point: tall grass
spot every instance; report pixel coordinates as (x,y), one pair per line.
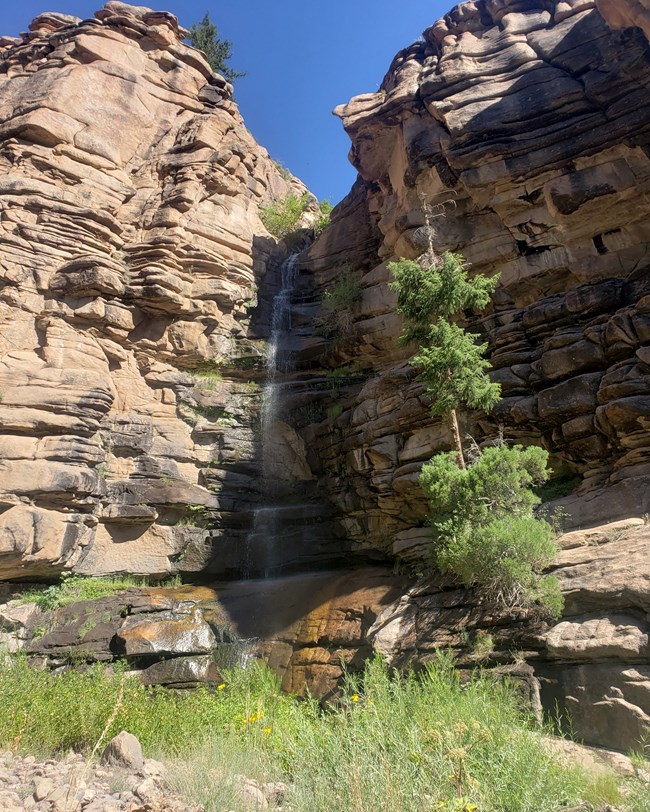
(392,744)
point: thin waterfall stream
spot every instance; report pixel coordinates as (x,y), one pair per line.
(263,536)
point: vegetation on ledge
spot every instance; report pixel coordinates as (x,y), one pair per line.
(75,588)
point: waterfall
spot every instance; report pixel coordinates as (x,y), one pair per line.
(278,360)
(262,539)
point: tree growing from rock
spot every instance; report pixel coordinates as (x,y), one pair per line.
(205,37)
(450,360)
(484,528)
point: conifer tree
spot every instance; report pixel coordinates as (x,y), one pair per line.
(205,37)
(451,362)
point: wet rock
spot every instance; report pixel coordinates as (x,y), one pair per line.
(166,634)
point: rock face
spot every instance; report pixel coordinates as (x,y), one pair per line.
(593,666)
(132,257)
(516,134)
(307,626)
(137,280)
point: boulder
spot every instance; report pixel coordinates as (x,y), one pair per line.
(124,750)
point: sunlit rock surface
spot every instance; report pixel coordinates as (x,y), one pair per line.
(132,257)
(309,627)
(136,284)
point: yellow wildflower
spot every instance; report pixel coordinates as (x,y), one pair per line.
(267,730)
(221,686)
(355,697)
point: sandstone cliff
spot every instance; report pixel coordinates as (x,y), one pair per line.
(516,133)
(133,255)
(522,128)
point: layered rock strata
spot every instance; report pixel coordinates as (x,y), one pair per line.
(589,671)
(516,134)
(309,627)
(130,340)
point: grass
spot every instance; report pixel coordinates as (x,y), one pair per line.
(392,744)
(77,588)
(208,378)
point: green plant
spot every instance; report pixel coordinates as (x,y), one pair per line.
(482,645)
(450,361)
(339,301)
(281,217)
(284,173)
(391,744)
(325,209)
(205,36)
(75,588)
(334,411)
(484,529)
(194,516)
(207,376)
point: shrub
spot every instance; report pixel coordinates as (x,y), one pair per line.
(484,529)
(283,216)
(325,209)
(339,301)
(284,173)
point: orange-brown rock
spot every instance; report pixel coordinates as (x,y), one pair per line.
(309,627)
(132,255)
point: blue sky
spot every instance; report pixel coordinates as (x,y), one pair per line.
(302,57)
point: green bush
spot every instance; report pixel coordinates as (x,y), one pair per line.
(283,216)
(392,744)
(339,300)
(484,528)
(284,173)
(325,210)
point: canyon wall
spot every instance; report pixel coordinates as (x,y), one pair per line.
(522,129)
(131,337)
(516,133)
(135,296)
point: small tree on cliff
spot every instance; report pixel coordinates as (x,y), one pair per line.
(205,37)
(451,362)
(484,528)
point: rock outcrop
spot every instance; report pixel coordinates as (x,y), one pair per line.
(309,627)
(134,304)
(516,134)
(132,258)
(592,667)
